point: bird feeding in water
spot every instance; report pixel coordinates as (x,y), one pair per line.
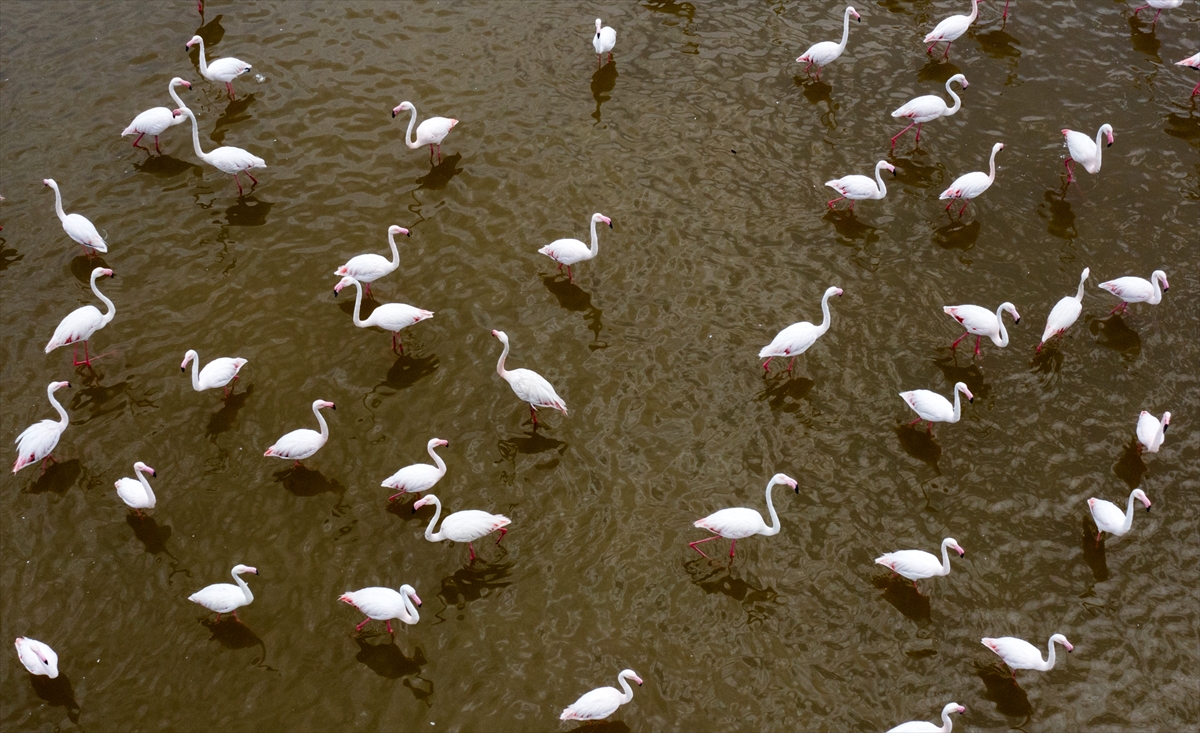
(384,604)
(221,598)
(972,185)
(37,442)
(303,443)
(1081,149)
(223,70)
(1109,518)
(156,120)
(1020,654)
(980,322)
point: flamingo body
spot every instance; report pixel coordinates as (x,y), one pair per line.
(571,251)
(37,657)
(78,227)
(952,28)
(156,120)
(1136,290)
(920,726)
(826,52)
(394,317)
(604,40)
(1084,150)
(303,443)
(37,442)
(222,70)
(859,188)
(136,493)
(431,132)
(929,107)
(385,604)
(932,407)
(1194,63)
(603,701)
(918,564)
(224,597)
(419,476)
(1065,312)
(1109,517)
(1151,431)
(982,322)
(217,373)
(798,337)
(464,526)
(1020,654)
(528,385)
(370,267)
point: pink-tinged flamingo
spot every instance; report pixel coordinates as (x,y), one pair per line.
(136,493)
(1159,5)
(929,107)
(602,701)
(370,267)
(952,28)
(1065,312)
(385,604)
(303,443)
(37,442)
(1136,290)
(1020,654)
(1111,519)
(37,657)
(918,564)
(603,42)
(1082,150)
(77,226)
(826,52)
(81,323)
(932,407)
(859,188)
(156,120)
(739,522)
(419,476)
(465,526)
(972,185)
(1152,431)
(571,251)
(1194,63)
(220,372)
(431,132)
(528,385)
(226,158)
(223,598)
(798,337)
(223,70)
(981,322)
(394,317)
(920,726)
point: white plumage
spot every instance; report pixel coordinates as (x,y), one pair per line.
(932,407)
(431,132)
(972,185)
(370,267)
(528,385)
(920,726)
(37,657)
(81,323)
(918,564)
(224,597)
(303,443)
(136,493)
(223,70)
(980,322)
(603,701)
(156,120)
(603,41)
(1109,518)
(858,188)
(465,526)
(826,52)
(951,29)
(37,442)
(217,373)
(1065,312)
(78,227)
(739,522)
(570,251)
(419,476)
(1194,63)
(1159,5)
(384,604)
(1020,654)
(226,158)
(1081,149)
(798,337)
(929,107)
(1137,290)
(1151,431)
(394,317)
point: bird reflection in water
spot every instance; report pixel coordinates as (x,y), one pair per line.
(1093,551)
(408,370)
(58,478)
(386,660)
(1144,41)
(529,444)
(303,481)
(714,576)
(439,175)
(82,266)
(602,726)
(957,235)
(234,112)
(165,166)
(152,536)
(249,211)
(849,228)
(918,443)
(937,70)
(1130,467)
(1049,360)
(818,92)
(233,635)
(474,581)
(574,298)
(56,693)
(222,420)
(971,375)
(1113,333)
(212,32)
(783,393)
(904,597)
(1002,689)
(1058,210)
(603,82)
(998,44)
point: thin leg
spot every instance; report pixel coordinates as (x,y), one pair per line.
(503,532)
(229,86)
(964,207)
(1005,16)
(1156,17)
(570,275)
(238,181)
(700,542)
(830,204)
(1196,90)
(930,49)
(430,153)
(1139,9)
(368,287)
(929,428)
(914,422)
(767,364)
(790,363)
(397,495)
(732,546)
(919,132)
(156,145)
(901,133)
(388,623)
(977,345)
(533,414)
(298,464)
(949,205)
(251,177)
(365,621)
(471,547)
(439,153)
(946,55)
(218,618)
(850,207)
(1070,173)
(139,139)
(960,338)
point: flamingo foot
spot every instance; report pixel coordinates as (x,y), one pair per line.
(388,622)
(767,364)
(960,338)
(732,547)
(365,621)
(977,345)
(503,532)
(471,547)
(397,495)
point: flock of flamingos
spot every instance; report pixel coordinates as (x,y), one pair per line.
(38,441)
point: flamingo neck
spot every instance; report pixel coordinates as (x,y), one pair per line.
(110,309)
(196,131)
(992,166)
(63,420)
(410,609)
(500,364)
(409,140)
(1048,665)
(845,32)
(625,686)
(974,12)
(150,491)
(1079,293)
(946,553)
(1157,298)
(879,174)
(242,584)
(958,399)
(358,321)
(824,315)
(58,209)
(324,425)
(195,369)
(203,61)
(395,250)
(595,240)
(437,514)
(1128,514)
(178,102)
(437,460)
(1099,145)
(947,725)
(957,102)
(1003,340)
(775,526)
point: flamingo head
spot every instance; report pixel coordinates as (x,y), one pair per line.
(834,291)
(854,12)
(1012,309)
(438,442)
(889,166)
(346,282)
(59,385)
(962,387)
(50,182)
(1161,277)
(195,39)
(181,82)
(960,79)
(322,404)
(598,217)
(1108,132)
(139,466)
(179,112)
(500,335)
(402,107)
(240,569)
(597,26)
(187,359)
(101,271)
(1166,419)
(411,593)
(1141,496)
(630,674)
(954,708)
(783,478)
(423,501)
(953,543)
(393,230)
(1063,640)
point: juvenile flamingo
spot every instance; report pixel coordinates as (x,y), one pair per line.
(932,407)
(528,385)
(571,251)
(224,597)
(370,267)
(37,657)
(224,70)
(156,120)
(929,107)
(858,188)
(136,493)
(303,443)
(465,526)
(81,323)
(419,476)
(1020,654)
(1194,63)
(602,701)
(1160,5)
(920,726)
(220,372)
(1082,150)
(394,317)
(37,442)
(1152,431)
(918,564)
(972,185)
(431,132)
(826,52)
(384,604)
(952,28)
(739,522)
(982,322)
(1110,519)
(798,337)
(226,158)
(603,42)
(77,226)
(1065,312)
(1136,290)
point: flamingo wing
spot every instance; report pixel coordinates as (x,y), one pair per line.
(471,524)
(595,705)
(79,325)
(912,564)
(296,445)
(36,442)
(151,122)
(1065,312)
(533,388)
(734,523)
(366,268)
(1108,516)
(415,478)
(227,69)
(1130,289)
(793,340)
(567,251)
(380,604)
(219,597)
(219,372)
(434,130)
(83,231)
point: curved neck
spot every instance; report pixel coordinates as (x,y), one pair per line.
(245,588)
(410,608)
(1157,290)
(395,250)
(171,90)
(1128,514)
(824,314)
(595,240)
(110,309)
(1099,145)
(628,690)
(437,514)
(409,140)
(845,32)
(879,177)
(774,528)
(947,724)
(195,371)
(958,400)
(150,491)
(999,313)
(358,305)
(203,61)
(946,551)
(58,209)
(1079,293)
(957,101)
(500,364)
(1049,663)
(321,420)
(63,421)
(437,460)
(992,165)
(974,12)
(196,131)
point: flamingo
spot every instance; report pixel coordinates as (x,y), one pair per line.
(602,701)
(920,726)
(952,28)
(798,337)
(1110,519)
(929,107)
(81,323)
(571,251)
(826,52)
(982,322)
(918,564)
(393,317)
(528,385)
(136,493)
(37,657)
(857,188)
(738,522)
(226,69)
(156,120)
(431,132)
(1192,62)
(1020,654)
(226,158)
(1151,431)
(303,443)
(223,598)
(1160,5)
(1136,290)
(1065,312)
(1081,149)
(465,526)
(36,442)
(932,407)
(972,185)
(419,476)
(220,372)
(384,604)
(370,267)
(603,42)
(77,226)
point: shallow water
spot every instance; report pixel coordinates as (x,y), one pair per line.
(707,147)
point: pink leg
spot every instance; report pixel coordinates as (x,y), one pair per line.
(87,359)
(365,621)
(397,495)
(1070,173)
(901,133)
(977,345)
(533,414)
(964,207)
(850,207)
(238,181)
(930,49)
(156,145)
(790,363)
(1156,17)
(503,532)
(598,61)
(218,618)
(388,623)
(960,338)
(251,177)
(1140,9)
(298,464)
(949,205)
(830,204)
(732,546)
(947,54)
(439,152)
(430,153)
(1196,90)
(1005,16)
(919,132)
(700,542)
(230,88)
(139,139)
(929,428)
(570,275)
(45,461)
(368,287)
(471,547)
(914,422)
(766,367)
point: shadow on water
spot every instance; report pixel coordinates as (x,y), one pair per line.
(998,44)
(58,478)
(574,298)
(1143,42)
(1093,551)
(1185,128)
(212,32)
(970,375)
(1057,211)
(386,660)
(249,211)
(222,420)
(1003,690)
(303,481)
(1112,333)
(146,530)
(530,444)
(474,581)
(912,173)
(1049,360)
(716,576)
(234,112)
(81,269)
(408,370)
(603,726)
(918,443)
(439,175)
(1130,467)
(56,693)
(957,235)
(938,70)
(904,598)
(402,507)
(670,7)
(848,227)
(165,166)
(603,82)
(8,256)
(785,394)
(233,635)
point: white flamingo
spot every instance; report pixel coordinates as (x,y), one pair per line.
(932,407)
(1136,290)
(1159,5)
(798,337)
(37,657)
(303,443)
(972,185)
(571,251)
(465,526)
(384,604)
(1110,519)
(219,372)
(826,52)
(223,70)
(1020,654)
(603,42)
(981,322)
(78,227)
(1194,63)
(739,522)
(920,726)
(929,107)
(37,442)
(419,476)
(1081,149)
(528,385)
(81,323)
(156,120)
(226,158)
(136,493)
(918,564)
(1065,312)
(951,29)
(859,188)
(602,701)
(1151,431)
(394,317)
(370,267)
(431,132)
(223,598)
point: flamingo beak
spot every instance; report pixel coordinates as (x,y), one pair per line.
(961,551)
(1110,139)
